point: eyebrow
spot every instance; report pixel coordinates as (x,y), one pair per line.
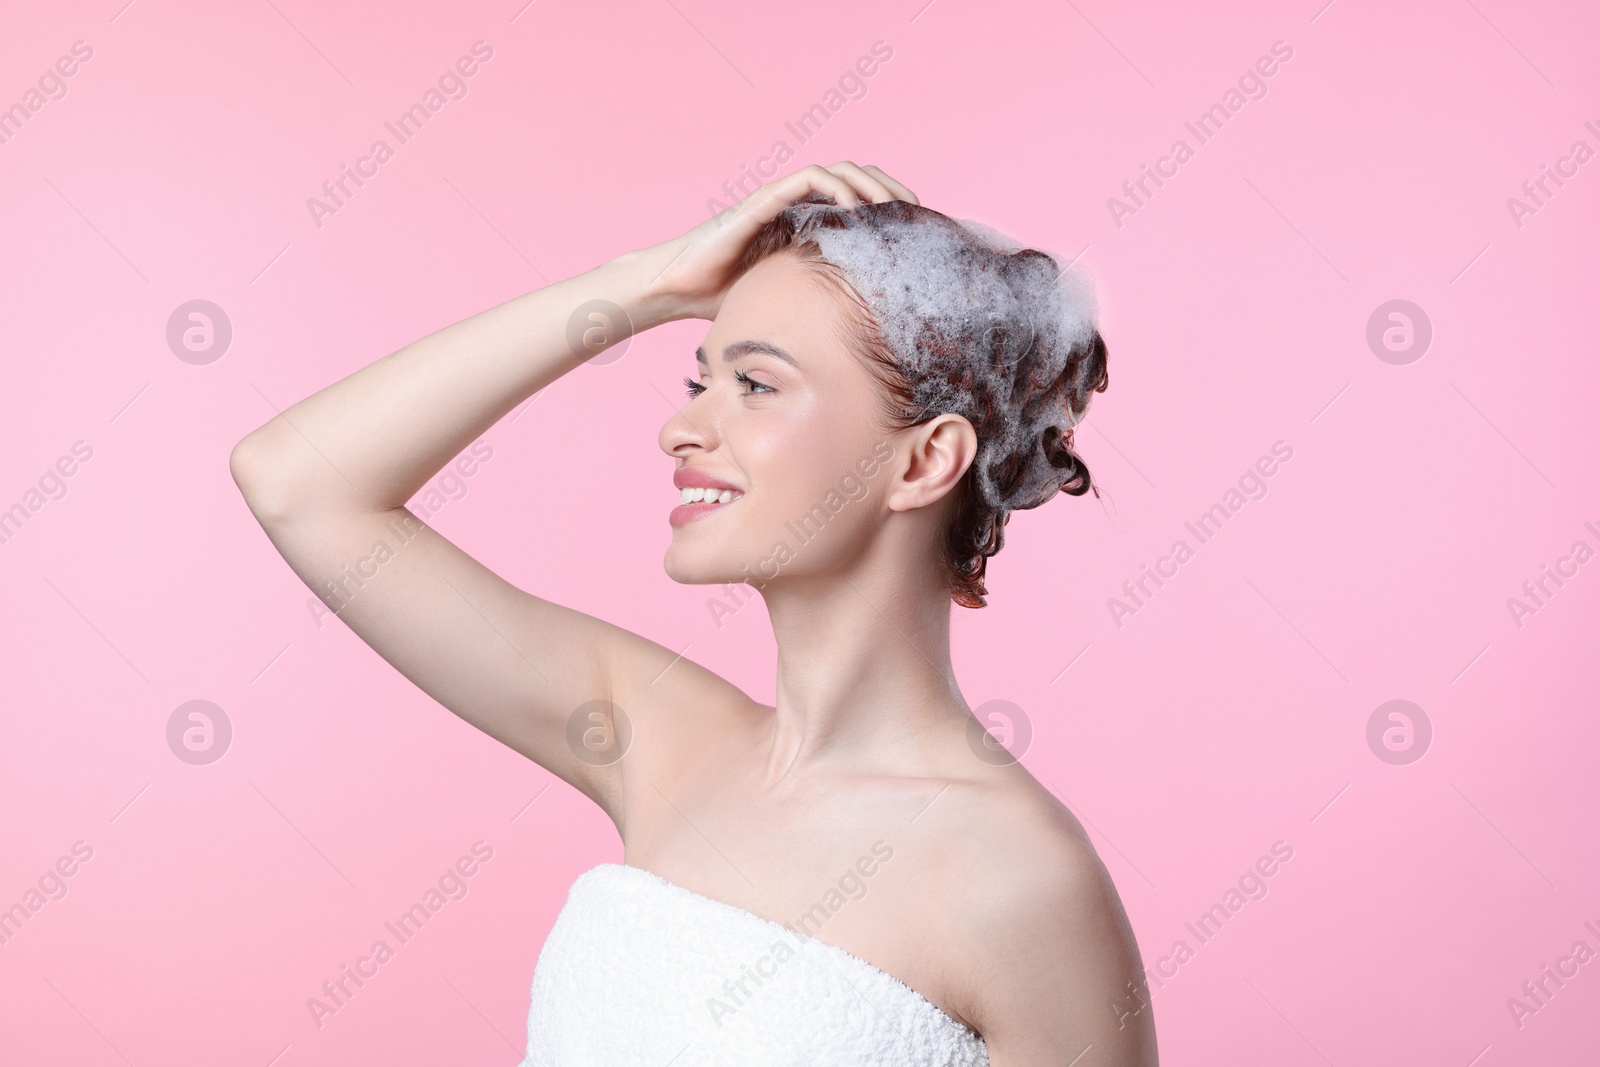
(747,348)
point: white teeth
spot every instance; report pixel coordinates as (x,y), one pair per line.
(712,496)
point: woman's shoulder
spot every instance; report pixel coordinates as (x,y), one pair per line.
(1020,842)
(1038,924)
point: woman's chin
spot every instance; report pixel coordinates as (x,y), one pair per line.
(694,568)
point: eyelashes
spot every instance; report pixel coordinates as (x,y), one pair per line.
(696,388)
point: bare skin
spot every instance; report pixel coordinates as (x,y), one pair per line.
(994,905)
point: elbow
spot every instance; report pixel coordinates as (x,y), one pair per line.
(259,477)
(247,463)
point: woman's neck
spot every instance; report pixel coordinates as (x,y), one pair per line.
(865,680)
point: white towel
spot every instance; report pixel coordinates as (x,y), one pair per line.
(640,972)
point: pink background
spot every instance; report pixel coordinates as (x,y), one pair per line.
(1229,713)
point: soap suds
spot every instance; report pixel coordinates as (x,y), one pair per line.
(980,328)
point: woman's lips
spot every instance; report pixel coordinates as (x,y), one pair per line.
(691,483)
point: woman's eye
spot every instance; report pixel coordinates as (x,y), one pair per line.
(693,388)
(743,379)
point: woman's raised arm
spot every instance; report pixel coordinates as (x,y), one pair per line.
(329,478)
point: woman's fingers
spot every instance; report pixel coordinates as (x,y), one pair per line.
(845,183)
(830,183)
(701,264)
(867,186)
(763,205)
(900,191)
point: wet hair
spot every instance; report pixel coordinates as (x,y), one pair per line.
(955,317)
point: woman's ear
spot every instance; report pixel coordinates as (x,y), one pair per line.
(939,453)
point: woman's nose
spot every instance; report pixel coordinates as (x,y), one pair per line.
(687,431)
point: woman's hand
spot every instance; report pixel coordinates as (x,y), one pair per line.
(694,271)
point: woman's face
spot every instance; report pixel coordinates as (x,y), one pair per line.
(782,439)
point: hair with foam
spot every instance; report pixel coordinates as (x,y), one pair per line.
(958,318)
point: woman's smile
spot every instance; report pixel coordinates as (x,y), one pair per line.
(700,495)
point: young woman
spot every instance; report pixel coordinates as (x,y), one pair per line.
(856,874)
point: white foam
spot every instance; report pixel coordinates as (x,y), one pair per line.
(960,314)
